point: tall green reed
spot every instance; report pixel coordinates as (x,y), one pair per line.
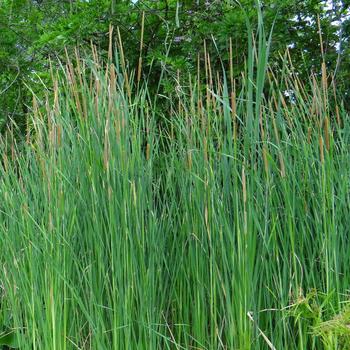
(220,226)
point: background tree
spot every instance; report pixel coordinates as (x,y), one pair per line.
(32,31)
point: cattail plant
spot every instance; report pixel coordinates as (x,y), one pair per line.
(222,224)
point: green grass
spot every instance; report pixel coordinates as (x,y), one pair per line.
(219,224)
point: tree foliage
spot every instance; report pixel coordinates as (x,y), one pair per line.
(33,31)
